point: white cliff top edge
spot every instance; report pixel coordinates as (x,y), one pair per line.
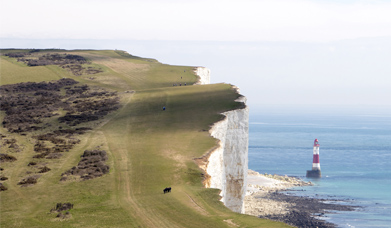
(204,75)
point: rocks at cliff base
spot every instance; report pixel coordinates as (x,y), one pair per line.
(92,165)
(300,210)
(300,219)
(265,200)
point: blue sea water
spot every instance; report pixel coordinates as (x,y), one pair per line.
(355,159)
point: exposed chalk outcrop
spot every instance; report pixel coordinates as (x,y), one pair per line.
(226,166)
(204,75)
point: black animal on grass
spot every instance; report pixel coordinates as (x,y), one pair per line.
(166,190)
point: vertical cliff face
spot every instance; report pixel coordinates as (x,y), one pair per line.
(226,165)
(203,74)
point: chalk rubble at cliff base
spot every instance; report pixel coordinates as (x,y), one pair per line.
(259,186)
(263,182)
(264,200)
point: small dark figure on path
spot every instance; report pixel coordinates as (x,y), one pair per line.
(166,190)
(164,108)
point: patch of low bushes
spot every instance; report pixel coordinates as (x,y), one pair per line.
(28,104)
(7,158)
(61,207)
(28,181)
(44,169)
(91,165)
(2,187)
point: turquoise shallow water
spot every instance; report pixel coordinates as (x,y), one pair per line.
(355,159)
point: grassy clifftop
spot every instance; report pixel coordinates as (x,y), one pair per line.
(112,102)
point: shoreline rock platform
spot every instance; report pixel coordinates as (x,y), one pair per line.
(265,198)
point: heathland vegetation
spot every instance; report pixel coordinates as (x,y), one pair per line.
(85,142)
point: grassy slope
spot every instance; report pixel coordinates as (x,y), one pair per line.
(149,149)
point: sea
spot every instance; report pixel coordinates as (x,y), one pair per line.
(355,158)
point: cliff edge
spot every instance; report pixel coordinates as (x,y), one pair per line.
(226,165)
(204,75)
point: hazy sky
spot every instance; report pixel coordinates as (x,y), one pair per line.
(234,20)
(277,51)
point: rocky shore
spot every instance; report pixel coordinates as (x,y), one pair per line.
(265,198)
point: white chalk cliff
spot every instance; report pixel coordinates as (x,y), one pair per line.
(226,166)
(204,75)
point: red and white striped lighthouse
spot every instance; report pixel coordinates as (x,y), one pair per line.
(315,161)
(315,172)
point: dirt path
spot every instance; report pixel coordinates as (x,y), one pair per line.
(16,175)
(122,166)
(128,73)
(197,206)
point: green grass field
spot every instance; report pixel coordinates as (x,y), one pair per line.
(148,149)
